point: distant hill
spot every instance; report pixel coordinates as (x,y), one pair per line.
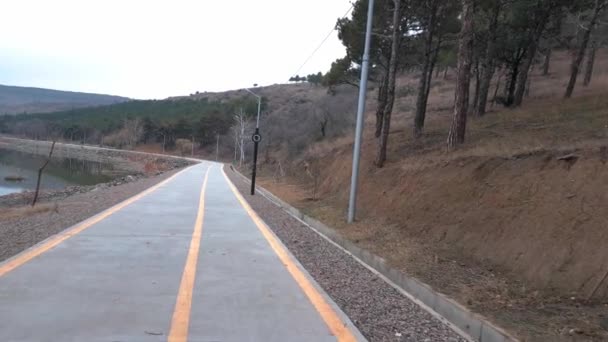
(17,100)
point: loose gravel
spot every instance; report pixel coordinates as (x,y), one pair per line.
(378,310)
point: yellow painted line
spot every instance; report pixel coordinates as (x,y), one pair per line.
(52,242)
(329,315)
(181,315)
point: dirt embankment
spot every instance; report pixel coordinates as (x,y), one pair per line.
(520,239)
(541,215)
(511,225)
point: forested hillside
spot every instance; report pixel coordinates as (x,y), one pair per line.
(130,123)
(19,100)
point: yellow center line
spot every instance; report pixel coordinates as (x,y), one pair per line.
(53,241)
(329,315)
(181,315)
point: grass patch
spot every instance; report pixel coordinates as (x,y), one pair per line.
(12,213)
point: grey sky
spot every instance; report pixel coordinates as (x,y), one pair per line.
(155,49)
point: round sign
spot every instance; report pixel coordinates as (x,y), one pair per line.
(256,138)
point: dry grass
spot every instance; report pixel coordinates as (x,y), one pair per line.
(18,212)
(545,122)
(501,224)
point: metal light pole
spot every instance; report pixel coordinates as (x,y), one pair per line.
(256,140)
(352,203)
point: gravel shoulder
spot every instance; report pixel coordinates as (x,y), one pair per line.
(378,310)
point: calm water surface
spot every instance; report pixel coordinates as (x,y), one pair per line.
(60,172)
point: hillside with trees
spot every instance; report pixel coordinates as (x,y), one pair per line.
(483,160)
(19,100)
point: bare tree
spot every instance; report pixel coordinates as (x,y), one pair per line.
(134,130)
(465,56)
(239,128)
(312,170)
(48,160)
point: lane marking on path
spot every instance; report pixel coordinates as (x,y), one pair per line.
(55,240)
(181,315)
(329,315)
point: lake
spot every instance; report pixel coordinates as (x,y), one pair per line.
(60,172)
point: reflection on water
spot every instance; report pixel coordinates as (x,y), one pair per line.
(60,172)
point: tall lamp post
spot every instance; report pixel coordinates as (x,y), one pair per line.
(352,202)
(256,140)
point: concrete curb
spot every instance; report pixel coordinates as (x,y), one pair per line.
(468,324)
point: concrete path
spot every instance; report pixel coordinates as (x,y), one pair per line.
(187,260)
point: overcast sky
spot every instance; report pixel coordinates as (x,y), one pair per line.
(155,49)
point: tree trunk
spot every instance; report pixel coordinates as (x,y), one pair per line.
(48,160)
(524,71)
(465,52)
(510,96)
(576,63)
(590,63)
(323,127)
(427,73)
(547,62)
(488,65)
(476,88)
(381,104)
(445,73)
(542,14)
(390,91)
(236,144)
(496,88)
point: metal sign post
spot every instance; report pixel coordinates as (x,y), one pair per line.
(256,141)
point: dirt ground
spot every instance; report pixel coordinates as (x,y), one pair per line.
(512,225)
(506,249)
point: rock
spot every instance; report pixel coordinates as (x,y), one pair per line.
(154,333)
(604,323)
(568,157)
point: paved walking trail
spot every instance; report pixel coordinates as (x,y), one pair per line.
(187,260)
